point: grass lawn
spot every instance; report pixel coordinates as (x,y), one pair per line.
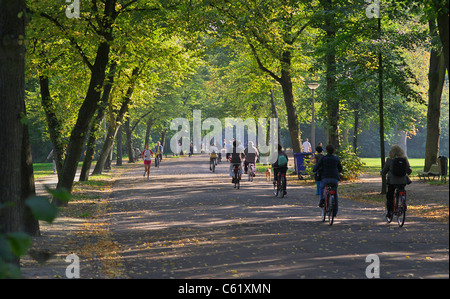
(373,165)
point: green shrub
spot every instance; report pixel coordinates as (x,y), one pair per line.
(352,165)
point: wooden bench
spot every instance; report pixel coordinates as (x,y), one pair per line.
(435,171)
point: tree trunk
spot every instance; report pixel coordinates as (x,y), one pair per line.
(286,85)
(119,146)
(84,120)
(332,102)
(53,122)
(381,113)
(355,128)
(436,76)
(129,141)
(443,25)
(30,223)
(113,127)
(12,95)
(90,148)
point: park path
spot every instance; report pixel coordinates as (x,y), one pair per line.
(187,222)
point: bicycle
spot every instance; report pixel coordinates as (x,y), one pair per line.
(212,164)
(251,171)
(399,206)
(279,186)
(158,160)
(329,206)
(236,176)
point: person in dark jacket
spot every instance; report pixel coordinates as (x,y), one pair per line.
(329,167)
(280,169)
(392,180)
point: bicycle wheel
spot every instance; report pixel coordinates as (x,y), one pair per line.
(331,207)
(401,210)
(324,208)
(283,186)
(238,179)
(388,217)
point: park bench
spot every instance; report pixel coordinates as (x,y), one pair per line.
(432,173)
(438,170)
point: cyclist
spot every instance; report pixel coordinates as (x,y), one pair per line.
(147,155)
(280,166)
(237,155)
(397,168)
(213,150)
(329,167)
(251,155)
(158,152)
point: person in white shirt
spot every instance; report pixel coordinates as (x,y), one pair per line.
(306,146)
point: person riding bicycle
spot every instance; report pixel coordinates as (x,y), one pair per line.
(329,167)
(397,169)
(158,151)
(213,155)
(237,156)
(251,155)
(281,165)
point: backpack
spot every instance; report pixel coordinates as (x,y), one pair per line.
(399,167)
(282,160)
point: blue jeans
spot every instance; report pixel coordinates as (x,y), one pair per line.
(323,183)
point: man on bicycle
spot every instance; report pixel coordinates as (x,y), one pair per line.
(237,156)
(158,151)
(397,168)
(213,155)
(329,167)
(281,165)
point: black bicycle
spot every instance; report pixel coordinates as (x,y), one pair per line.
(236,176)
(399,206)
(329,206)
(279,185)
(212,164)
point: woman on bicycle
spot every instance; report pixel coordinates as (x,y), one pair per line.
(282,169)
(329,167)
(397,168)
(237,156)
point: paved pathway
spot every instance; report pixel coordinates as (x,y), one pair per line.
(187,222)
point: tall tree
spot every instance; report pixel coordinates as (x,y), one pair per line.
(16,183)
(272,31)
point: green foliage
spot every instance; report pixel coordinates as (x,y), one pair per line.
(352,165)
(13,245)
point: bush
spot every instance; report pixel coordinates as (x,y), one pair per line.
(351,164)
